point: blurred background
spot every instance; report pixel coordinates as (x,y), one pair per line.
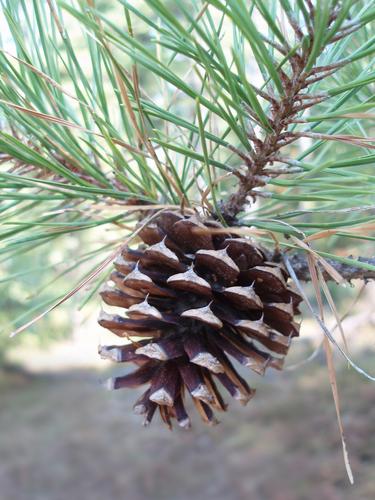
(62,435)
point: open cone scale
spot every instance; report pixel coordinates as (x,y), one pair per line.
(194,302)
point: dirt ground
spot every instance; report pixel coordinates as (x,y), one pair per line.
(62,436)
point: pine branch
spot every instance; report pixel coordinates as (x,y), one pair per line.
(283,112)
(75,150)
(349,272)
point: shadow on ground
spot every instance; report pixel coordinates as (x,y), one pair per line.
(64,437)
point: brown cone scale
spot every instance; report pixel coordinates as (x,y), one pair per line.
(195,304)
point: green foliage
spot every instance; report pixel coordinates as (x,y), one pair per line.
(108,104)
(25,286)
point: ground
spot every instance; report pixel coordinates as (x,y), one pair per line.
(62,436)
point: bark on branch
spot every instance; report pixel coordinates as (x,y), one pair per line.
(349,272)
(283,112)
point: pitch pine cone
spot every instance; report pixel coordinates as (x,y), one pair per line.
(193,299)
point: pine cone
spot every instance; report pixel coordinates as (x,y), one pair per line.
(193,299)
